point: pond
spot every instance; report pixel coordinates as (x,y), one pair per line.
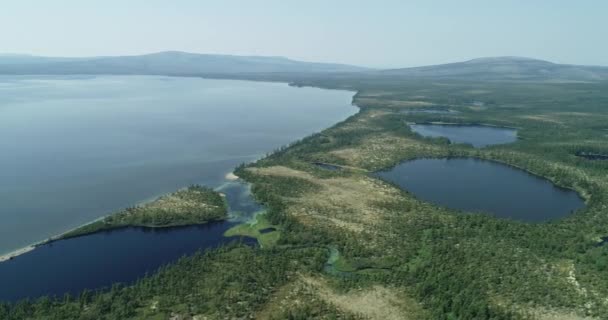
(477,135)
(475,185)
(592,155)
(430,111)
(267,230)
(327,166)
(603,241)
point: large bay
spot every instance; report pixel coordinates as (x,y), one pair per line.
(79,147)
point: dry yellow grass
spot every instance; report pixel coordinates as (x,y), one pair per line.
(346,202)
(350,204)
(362,101)
(176,204)
(291,297)
(553,314)
(477,108)
(376,302)
(478,91)
(362,122)
(543,118)
(382,150)
(577,114)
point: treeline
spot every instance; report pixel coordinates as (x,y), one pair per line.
(458,266)
(229,282)
(194,205)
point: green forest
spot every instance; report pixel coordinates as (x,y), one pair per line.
(193,205)
(354,247)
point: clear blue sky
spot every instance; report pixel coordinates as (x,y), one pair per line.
(380,33)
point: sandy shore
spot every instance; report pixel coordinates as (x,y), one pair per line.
(8,256)
(16,253)
(230,176)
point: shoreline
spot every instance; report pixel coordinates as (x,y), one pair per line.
(11,255)
(23,250)
(230,177)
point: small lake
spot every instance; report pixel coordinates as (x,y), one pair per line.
(476,135)
(603,241)
(267,230)
(327,166)
(592,155)
(484,186)
(430,111)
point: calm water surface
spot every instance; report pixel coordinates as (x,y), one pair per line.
(592,156)
(119,256)
(478,136)
(327,166)
(100,144)
(99,260)
(484,186)
(79,147)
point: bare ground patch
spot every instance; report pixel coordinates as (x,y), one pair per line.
(392,103)
(382,150)
(553,314)
(298,295)
(376,302)
(346,202)
(543,118)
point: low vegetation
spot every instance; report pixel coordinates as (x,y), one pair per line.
(259,228)
(194,205)
(349,246)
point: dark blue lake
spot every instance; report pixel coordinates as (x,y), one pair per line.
(99,260)
(475,185)
(124,255)
(475,135)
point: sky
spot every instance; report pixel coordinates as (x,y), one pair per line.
(380,33)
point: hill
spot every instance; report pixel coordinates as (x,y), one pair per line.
(177,63)
(166,63)
(502,68)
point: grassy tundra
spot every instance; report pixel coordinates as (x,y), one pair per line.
(398,257)
(193,205)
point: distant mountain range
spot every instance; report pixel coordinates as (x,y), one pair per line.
(503,68)
(191,64)
(165,63)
